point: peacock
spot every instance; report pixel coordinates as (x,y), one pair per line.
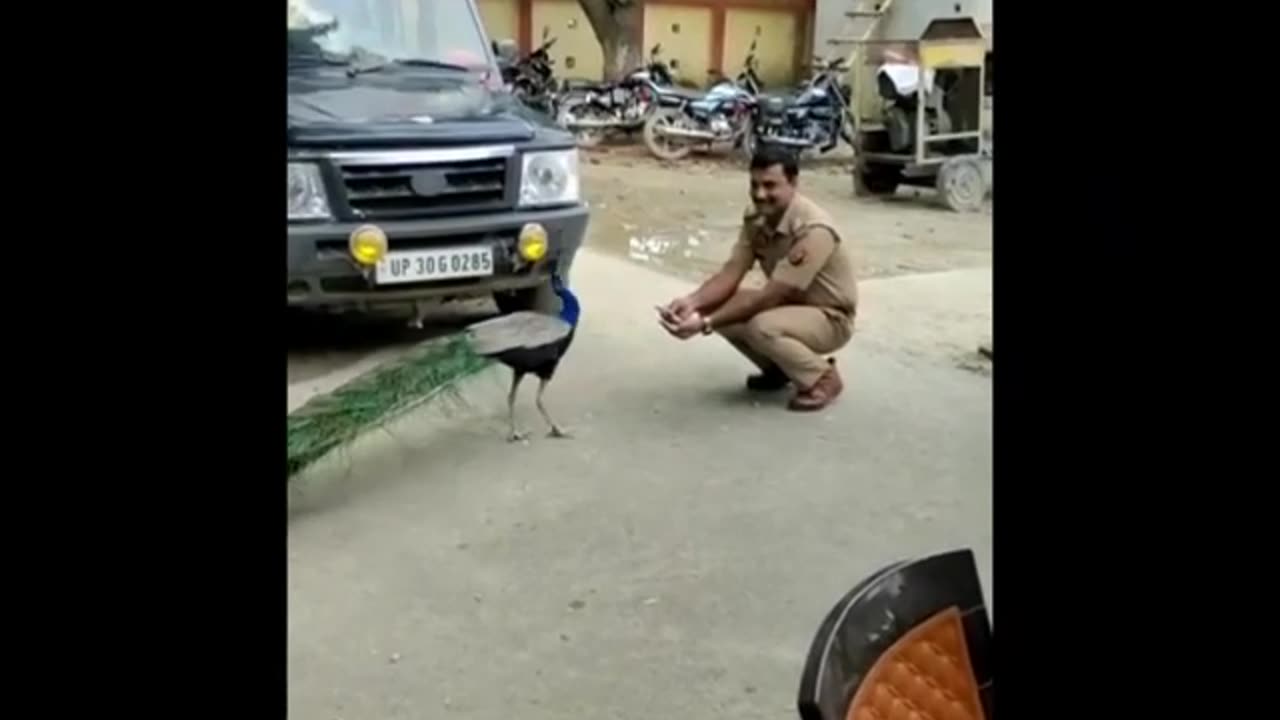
(525,341)
(529,342)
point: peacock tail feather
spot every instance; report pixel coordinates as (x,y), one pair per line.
(526,341)
(332,420)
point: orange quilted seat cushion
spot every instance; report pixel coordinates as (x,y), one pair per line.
(925,675)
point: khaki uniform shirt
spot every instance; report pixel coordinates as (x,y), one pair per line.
(804,251)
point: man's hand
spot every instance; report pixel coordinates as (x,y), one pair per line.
(681,307)
(747,303)
(682,328)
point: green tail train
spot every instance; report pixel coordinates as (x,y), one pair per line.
(334,419)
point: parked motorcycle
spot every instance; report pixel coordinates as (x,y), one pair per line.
(721,115)
(530,78)
(591,110)
(816,117)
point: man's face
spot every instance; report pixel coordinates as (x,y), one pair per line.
(771,191)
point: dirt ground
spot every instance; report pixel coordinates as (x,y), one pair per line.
(682,217)
(674,558)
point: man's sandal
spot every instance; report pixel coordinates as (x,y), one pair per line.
(823,392)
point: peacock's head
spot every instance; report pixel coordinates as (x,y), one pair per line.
(570,309)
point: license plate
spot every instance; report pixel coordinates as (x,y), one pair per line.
(435,264)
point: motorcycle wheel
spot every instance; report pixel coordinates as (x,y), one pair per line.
(585,137)
(661,147)
(588,138)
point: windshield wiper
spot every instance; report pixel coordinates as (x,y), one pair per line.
(308,59)
(406,62)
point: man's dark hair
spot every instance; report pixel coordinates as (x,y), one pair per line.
(767,156)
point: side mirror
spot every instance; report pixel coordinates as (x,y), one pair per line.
(655,49)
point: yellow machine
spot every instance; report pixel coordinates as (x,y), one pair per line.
(921,115)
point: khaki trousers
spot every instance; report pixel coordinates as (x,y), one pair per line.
(792,338)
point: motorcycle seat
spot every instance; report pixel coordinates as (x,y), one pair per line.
(778,100)
(582,84)
(676,91)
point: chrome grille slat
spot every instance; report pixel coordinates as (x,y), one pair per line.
(396,189)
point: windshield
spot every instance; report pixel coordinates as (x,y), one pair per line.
(436,30)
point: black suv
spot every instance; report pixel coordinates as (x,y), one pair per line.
(413,176)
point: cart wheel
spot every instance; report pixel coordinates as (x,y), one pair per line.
(961,185)
(869,182)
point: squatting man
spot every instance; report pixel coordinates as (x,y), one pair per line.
(805,310)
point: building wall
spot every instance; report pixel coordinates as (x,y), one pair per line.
(685,34)
(775,33)
(501,18)
(698,35)
(703,35)
(576,53)
(828,23)
(781,28)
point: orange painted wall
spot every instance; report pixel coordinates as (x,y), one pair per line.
(709,35)
(785,30)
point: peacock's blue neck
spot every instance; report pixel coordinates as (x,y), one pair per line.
(569,308)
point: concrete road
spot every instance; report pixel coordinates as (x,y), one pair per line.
(673,559)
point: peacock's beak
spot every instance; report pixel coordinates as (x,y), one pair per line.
(532,242)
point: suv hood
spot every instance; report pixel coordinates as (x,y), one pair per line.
(397,107)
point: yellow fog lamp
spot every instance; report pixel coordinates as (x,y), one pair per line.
(532,243)
(368,244)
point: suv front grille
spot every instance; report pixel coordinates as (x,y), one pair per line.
(390,191)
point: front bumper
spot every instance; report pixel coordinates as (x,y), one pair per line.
(321,272)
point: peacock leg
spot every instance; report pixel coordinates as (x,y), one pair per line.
(555,429)
(514,436)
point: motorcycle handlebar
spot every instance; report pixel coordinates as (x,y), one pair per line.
(838,66)
(832,64)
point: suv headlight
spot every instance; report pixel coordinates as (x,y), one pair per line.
(549,178)
(307,200)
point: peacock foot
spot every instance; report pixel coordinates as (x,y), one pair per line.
(556,432)
(517,436)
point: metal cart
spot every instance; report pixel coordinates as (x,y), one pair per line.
(923,125)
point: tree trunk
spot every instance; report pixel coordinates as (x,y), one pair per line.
(619,30)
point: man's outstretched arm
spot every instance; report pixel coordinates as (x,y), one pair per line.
(716,291)
(792,277)
(720,287)
(746,304)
